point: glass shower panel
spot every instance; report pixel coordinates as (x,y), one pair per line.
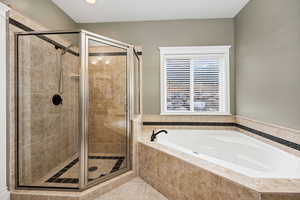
(107,112)
(47,110)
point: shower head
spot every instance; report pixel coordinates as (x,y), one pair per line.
(66,49)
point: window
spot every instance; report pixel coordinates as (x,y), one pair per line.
(195,80)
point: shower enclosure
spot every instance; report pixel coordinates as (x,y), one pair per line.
(76,93)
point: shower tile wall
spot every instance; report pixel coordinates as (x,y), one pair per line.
(107,83)
(48,134)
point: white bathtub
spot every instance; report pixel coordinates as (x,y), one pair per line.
(234,150)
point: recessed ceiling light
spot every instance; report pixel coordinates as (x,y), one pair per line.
(91,1)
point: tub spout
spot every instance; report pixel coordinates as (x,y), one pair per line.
(153,136)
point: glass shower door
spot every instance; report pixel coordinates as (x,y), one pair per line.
(47,110)
(107,130)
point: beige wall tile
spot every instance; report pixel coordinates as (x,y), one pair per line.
(187,118)
(177,179)
(289,134)
(279,196)
(228,190)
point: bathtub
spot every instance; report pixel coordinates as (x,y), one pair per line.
(235,151)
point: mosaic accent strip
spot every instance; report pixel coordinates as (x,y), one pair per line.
(188,124)
(117,165)
(270,137)
(56,177)
(251,130)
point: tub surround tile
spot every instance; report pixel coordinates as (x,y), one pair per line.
(193,187)
(150,156)
(203,164)
(284,138)
(272,129)
(227,190)
(136,132)
(178,179)
(270,142)
(280,196)
(288,134)
(188,124)
(238,186)
(289,139)
(271,137)
(287,186)
(188,118)
(147,130)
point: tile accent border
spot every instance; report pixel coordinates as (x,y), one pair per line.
(189,118)
(188,124)
(270,137)
(55,178)
(237,125)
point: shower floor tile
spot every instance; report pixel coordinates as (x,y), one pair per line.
(67,174)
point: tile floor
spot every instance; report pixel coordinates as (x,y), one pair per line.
(136,189)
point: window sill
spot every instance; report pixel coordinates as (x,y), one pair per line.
(196,114)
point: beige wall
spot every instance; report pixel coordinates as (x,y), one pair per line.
(267,60)
(44,12)
(153,34)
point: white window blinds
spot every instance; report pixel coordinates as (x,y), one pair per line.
(178,84)
(194,83)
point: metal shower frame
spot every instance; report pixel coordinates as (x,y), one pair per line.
(85,36)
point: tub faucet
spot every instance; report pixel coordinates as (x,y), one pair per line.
(153,136)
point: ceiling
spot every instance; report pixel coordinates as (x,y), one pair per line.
(144,10)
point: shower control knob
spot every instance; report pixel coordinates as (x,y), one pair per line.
(57,99)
